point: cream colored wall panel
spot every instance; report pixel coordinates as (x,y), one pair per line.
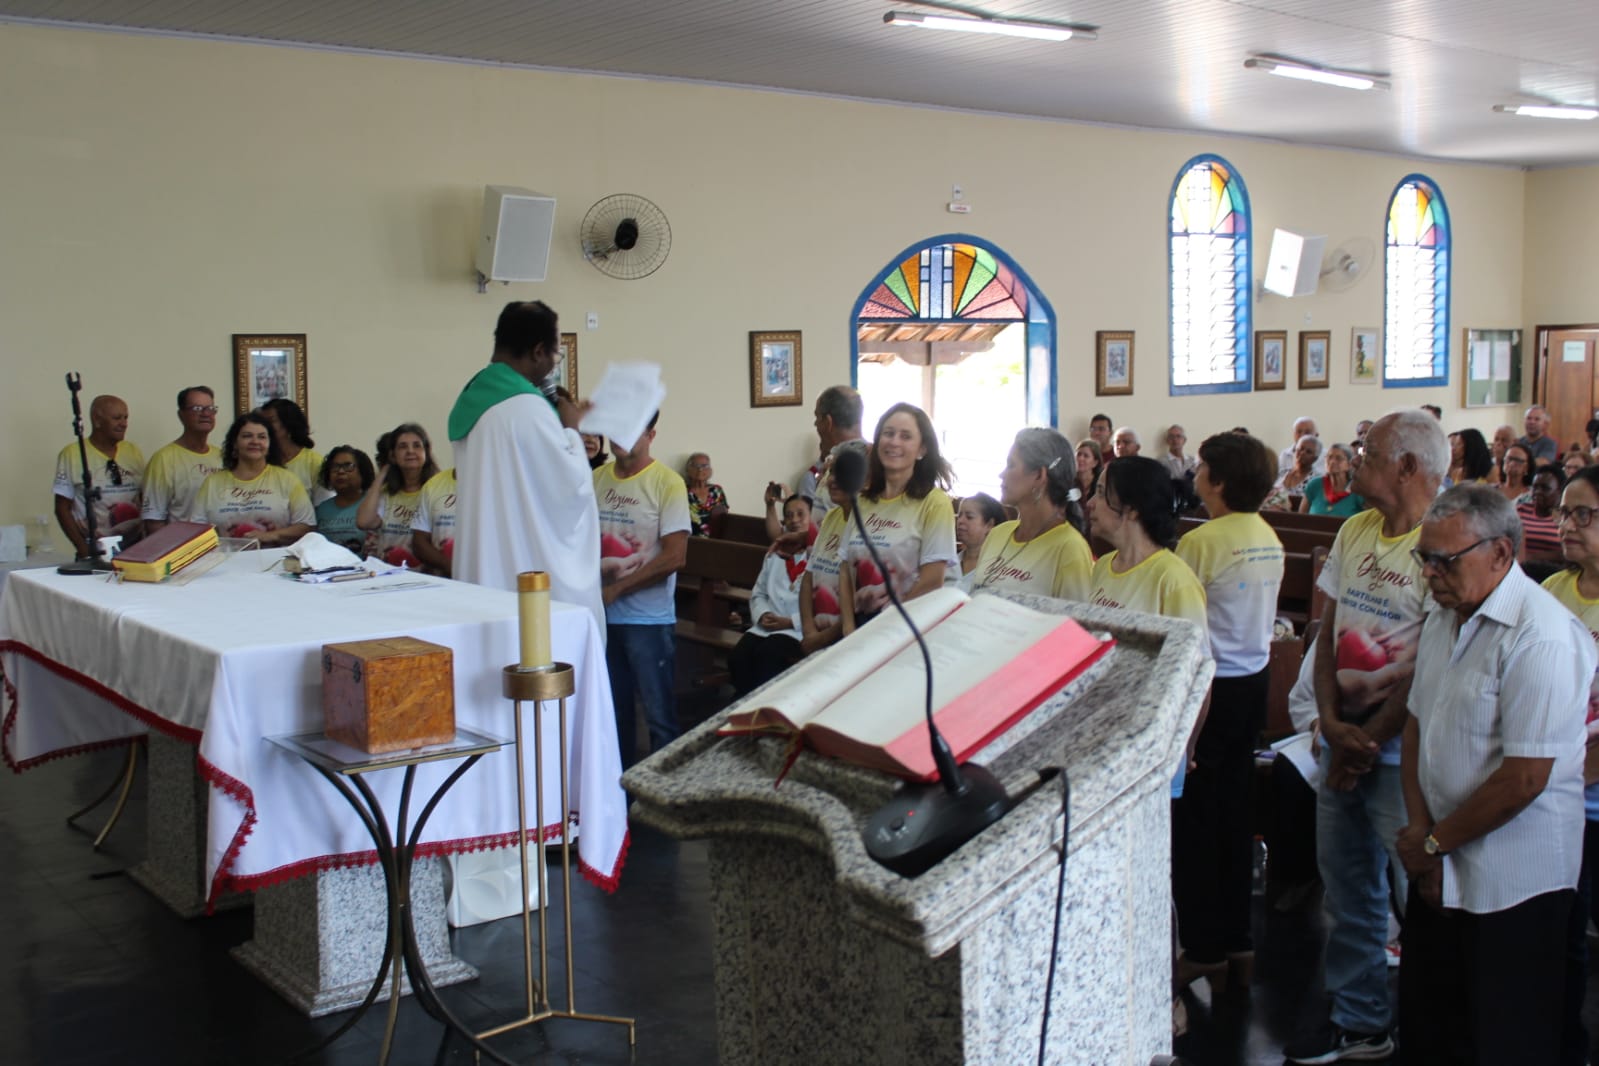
(163,194)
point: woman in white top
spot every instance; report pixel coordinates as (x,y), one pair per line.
(978,515)
(772,644)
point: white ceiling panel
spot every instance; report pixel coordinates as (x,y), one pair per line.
(1165,64)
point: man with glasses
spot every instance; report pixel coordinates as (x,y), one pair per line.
(1177,464)
(116,471)
(1365,655)
(173,477)
(1492,772)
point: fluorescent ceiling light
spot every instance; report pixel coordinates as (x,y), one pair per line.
(1040,31)
(1343,79)
(1547,111)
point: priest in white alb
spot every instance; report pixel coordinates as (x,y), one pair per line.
(525,494)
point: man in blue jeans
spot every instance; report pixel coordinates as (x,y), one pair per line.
(644,524)
(1365,656)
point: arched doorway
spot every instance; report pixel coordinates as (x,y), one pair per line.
(954,326)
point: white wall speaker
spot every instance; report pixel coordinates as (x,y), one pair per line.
(515,241)
(1294,266)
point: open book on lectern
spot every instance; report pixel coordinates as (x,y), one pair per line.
(862,700)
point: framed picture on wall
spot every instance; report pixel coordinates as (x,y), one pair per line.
(1313,345)
(269,366)
(565,372)
(775,369)
(1365,351)
(1113,363)
(1270,348)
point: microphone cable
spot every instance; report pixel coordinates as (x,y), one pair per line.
(1060,898)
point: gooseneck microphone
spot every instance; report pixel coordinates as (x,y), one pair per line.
(921,824)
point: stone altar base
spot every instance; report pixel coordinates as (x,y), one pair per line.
(173,869)
(318,939)
(823,956)
(799,952)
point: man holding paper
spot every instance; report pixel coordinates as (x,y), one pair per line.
(525,496)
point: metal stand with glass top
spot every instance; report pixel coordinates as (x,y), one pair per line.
(345,768)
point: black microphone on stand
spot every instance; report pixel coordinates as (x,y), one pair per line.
(92,562)
(921,824)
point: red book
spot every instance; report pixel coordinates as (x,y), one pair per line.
(862,700)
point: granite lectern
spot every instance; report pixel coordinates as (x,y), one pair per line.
(822,956)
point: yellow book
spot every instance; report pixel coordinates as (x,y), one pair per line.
(169,550)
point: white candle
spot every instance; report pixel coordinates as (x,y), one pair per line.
(533,611)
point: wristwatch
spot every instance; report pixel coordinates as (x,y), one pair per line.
(1431,846)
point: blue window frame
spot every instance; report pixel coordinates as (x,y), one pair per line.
(1416,286)
(1209,266)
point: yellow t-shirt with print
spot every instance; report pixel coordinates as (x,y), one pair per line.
(435,513)
(1563,587)
(1239,561)
(307,466)
(172,481)
(908,534)
(1162,584)
(396,512)
(636,513)
(271,500)
(825,560)
(117,510)
(1055,563)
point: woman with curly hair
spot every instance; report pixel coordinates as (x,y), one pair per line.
(253,495)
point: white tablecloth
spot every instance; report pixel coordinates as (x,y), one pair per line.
(235,655)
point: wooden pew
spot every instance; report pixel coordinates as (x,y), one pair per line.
(715,574)
(742,528)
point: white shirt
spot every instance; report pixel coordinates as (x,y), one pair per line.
(1285,462)
(1179,467)
(525,501)
(1511,681)
(774,592)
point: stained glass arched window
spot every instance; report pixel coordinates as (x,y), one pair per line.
(949,281)
(1416,286)
(953,325)
(1210,278)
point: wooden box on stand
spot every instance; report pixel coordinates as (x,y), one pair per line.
(388,695)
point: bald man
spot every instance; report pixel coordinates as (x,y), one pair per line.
(1539,444)
(116,471)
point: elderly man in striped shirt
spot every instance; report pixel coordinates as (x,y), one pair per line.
(1492,773)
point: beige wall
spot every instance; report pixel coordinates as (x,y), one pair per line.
(1562,248)
(161,195)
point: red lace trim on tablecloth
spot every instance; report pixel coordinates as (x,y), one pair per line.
(225,881)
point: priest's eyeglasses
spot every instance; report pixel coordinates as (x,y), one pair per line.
(201,408)
(1581,517)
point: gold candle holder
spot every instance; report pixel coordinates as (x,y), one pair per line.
(539,685)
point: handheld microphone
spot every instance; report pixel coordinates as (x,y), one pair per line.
(921,824)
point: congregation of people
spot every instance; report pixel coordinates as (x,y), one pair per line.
(1448,684)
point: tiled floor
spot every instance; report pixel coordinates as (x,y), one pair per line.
(94,971)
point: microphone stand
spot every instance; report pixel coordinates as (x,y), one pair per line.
(922,824)
(92,562)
